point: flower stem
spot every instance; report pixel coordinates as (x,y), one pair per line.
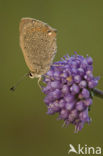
(98,93)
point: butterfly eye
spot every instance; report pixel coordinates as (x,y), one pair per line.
(31,75)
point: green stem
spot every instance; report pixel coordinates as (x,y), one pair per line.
(98,93)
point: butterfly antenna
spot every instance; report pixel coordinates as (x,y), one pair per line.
(19,81)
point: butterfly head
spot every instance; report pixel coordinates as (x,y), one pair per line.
(33,75)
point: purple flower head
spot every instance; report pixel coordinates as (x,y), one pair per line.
(69,85)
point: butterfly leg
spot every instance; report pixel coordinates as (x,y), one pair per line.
(39,79)
(57,65)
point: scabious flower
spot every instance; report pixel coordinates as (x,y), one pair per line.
(69,85)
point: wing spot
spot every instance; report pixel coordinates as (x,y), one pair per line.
(33,21)
(49,32)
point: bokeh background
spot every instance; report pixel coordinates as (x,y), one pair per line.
(25,128)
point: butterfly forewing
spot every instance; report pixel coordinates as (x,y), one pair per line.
(38,44)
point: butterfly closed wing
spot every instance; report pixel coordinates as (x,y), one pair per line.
(38,44)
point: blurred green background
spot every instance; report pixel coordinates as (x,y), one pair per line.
(25,128)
